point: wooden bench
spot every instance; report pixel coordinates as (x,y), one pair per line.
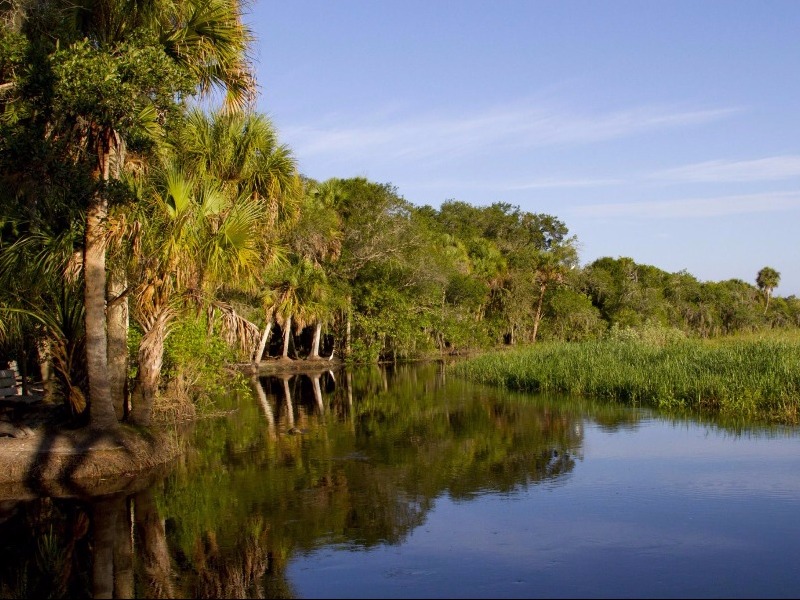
(8,383)
(13,405)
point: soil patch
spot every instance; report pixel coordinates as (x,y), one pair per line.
(47,457)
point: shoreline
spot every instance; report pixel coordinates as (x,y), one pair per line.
(62,462)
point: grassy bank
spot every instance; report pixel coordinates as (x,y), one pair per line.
(752,377)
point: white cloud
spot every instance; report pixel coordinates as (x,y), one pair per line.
(504,186)
(773,168)
(695,207)
(481,133)
(720,171)
(560,183)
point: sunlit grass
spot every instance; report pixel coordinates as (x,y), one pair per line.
(754,376)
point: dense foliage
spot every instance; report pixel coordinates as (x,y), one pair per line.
(130,214)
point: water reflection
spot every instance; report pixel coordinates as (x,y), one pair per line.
(350,459)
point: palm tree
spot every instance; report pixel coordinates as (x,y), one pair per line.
(40,306)
(297,292)
(767,280)
(242,152)
(117,67)
(324,302)
(193,237)
(317,237)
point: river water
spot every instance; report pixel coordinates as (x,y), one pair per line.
(406,482)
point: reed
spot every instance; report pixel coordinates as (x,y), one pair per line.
(756,377)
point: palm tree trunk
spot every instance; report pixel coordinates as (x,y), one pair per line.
(348,327)
(45,357)
(287,397)
(287,334)
(265,405)
(118,321)
(23,370)
(123,551)
(151,357)
(315,341)
(103,525)
(259,353)
(318,392)
(349,389)
(101,408)
(153,550)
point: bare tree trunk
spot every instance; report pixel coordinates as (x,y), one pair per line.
(118,321)
(538,316)
(287,334)
(262,344)
(348,326)
(315,342)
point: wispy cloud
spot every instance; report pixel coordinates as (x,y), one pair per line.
(506,186)
(695,207)
(482,132)
(560,183)
(773,168)
(720,171)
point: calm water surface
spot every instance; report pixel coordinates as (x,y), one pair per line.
(407,482)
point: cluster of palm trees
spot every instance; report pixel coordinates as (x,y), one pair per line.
(136,204)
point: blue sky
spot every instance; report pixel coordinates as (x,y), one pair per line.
(668,132)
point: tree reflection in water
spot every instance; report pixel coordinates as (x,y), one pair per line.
(356,460)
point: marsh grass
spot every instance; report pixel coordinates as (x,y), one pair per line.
(755,377)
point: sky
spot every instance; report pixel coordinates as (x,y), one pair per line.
(667,132)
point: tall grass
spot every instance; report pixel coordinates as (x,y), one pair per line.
(756,377)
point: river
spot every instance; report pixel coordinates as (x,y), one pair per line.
(407,482)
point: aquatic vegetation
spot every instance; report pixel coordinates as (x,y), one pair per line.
(757,377)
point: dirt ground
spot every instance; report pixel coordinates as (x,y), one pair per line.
(40,454)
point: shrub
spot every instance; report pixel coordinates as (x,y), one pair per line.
(196,363)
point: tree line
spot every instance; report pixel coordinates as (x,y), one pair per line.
(139,231)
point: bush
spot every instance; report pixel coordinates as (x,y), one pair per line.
(195,362)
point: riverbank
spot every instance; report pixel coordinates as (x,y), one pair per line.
(291,366)
(41,454)
(46,456)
